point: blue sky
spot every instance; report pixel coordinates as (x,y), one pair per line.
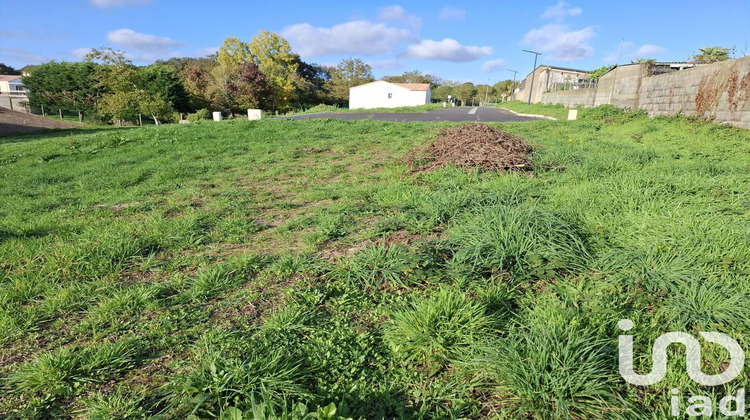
(465,41)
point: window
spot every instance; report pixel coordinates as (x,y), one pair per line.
(390,95)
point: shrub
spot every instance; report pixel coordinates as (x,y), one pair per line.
(201,114)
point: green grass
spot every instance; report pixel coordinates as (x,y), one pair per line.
(298,270)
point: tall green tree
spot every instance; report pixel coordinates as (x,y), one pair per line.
(709,55)
(164,81)
(348,73)
(415,76)
(441,93)
(464,92)
(64,85)
(124,94)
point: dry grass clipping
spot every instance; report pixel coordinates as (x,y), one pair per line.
(473,145)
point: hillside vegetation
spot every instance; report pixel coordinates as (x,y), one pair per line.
(298,269)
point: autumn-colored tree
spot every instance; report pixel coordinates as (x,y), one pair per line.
(234,53)
(275,59)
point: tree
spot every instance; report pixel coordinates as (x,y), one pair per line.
(234,53)
(311,83)
(712,55)
(126,92)
(348,73)
(275,59)
(441,93)
(415,76)
(197,79)
(4,69)
(464,92)
(162,80)
(596,74)
(63,85)
(252,90)
(485,92)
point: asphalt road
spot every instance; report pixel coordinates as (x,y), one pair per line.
(457,114)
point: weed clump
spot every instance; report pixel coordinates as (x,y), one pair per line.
(474,145)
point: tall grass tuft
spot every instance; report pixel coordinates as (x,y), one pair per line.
(558,372)
(525,240)
(436,331)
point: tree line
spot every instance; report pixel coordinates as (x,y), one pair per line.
(263,73)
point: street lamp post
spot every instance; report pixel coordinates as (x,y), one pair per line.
(533,72)
(513,87)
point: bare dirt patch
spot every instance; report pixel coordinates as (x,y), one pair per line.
(14,122)
(474,145)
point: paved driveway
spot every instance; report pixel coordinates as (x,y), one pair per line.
(457,114)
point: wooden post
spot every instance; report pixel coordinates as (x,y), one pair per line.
(42,110)
(80,117)
(140,120)
(10,101)
(60,111)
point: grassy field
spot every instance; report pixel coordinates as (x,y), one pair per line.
(283,269)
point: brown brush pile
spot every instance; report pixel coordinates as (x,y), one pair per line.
(471,146)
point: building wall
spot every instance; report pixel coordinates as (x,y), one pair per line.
(375,95)
(719,91)
(545,77)
(19,102)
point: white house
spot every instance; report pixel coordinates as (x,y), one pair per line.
(11,85)
(382,94)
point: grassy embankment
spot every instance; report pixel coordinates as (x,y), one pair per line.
(277,267)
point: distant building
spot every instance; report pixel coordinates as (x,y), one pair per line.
(548,78)
(382,94)
(12,85)
(13,94)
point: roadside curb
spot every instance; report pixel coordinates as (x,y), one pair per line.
(547,117)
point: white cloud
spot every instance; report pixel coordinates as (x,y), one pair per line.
(560,11)
(21,56)
(80,53)
(128,38)
(448,50)
(648,49)
(394,12)
(563,43)
(397,13)
(493,66)
(359,37)
(385,64)
(450,13)
(118,3)
(203,52)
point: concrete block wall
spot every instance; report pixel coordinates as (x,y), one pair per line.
(17,102)
(719,92)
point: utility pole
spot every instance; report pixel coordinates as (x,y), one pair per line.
(513,87)
(533,72)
